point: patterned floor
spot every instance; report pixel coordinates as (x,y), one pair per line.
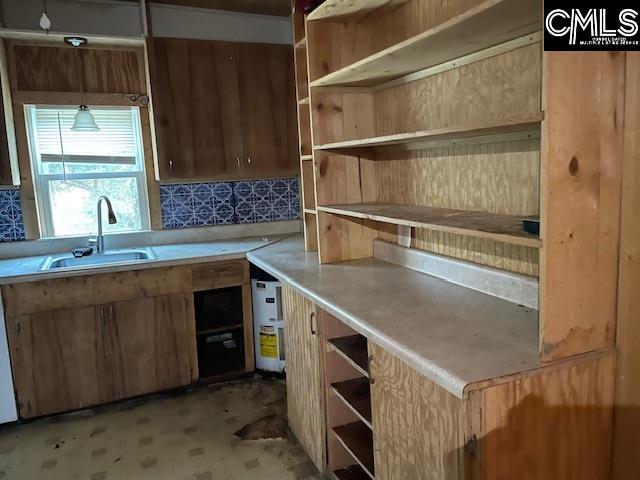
(186,436)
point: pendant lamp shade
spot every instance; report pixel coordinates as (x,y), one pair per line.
(84,121)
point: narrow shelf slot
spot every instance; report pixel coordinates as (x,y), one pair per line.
(357,439)
(503,228)
(488,24)
(352,472)
(225,328)
(356,394)
(353,348)
(507,130)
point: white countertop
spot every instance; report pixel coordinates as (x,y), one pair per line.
(27,269)
(453,335)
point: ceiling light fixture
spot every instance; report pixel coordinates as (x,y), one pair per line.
(83,121)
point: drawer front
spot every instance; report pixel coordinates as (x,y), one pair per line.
(76,292)
(220,275)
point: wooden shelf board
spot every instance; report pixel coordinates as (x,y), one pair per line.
(304,101)
(506,130)
(225,328)
(503,228)
(352,348)
(488,24)
(301,43)
(357,439)
(352,10)
(306,158)
(356,394)
(310,211)
(352,472)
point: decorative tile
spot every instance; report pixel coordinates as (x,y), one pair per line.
(11,224)
(228,203)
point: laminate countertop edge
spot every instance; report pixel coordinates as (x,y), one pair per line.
(458,385)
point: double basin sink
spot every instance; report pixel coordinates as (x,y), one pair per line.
(110,257)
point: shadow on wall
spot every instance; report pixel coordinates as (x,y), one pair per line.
(537,441)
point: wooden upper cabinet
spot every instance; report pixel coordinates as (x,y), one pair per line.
(267,95)
(222,110)
(196,108)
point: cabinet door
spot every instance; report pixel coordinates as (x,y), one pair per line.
(305,400)
(417,425)
(196,108)
(59,361)
(152,344)
(267,97)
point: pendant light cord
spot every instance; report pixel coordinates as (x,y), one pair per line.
(64,164)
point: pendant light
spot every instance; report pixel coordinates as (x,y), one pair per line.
(83,121)
(45,22)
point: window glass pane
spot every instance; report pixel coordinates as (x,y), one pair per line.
(73,205)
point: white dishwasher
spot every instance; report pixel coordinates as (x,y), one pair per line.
(8,411)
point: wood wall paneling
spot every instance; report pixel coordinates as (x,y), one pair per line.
(417,426)
(305,391)
(556,424)
(582,148)
(626,461)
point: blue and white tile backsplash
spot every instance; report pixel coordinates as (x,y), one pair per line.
(11,225)
(228,203)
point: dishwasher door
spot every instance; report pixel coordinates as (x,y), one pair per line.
(8,411)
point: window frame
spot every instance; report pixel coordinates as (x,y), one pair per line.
(42,181)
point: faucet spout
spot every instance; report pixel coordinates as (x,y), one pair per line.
(111,218)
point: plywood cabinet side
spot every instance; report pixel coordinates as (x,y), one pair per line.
(305,394)
(554,424)
(582,147)
(59,360)
(417,425)
(627,409)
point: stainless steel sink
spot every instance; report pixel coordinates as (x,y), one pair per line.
(108,258)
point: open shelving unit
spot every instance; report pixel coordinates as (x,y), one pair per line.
(348,400)
(487,24)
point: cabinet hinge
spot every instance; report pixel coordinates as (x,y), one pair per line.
(471,446)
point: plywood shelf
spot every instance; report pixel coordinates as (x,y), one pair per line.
(356,394)
(492,132)
(304,101)
(353,348)
(310,211)
(352,472)
(357,439)
(302,43)
(343,10)
(488,24)
(502,228)
(306,158)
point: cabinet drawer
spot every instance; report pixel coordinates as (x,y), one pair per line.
(76,292)
(219,275)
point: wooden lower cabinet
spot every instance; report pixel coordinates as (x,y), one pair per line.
(59,361)
(152,344)
(305,404)
(551,423)
(69,359)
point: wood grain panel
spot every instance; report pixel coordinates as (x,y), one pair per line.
(305,394)
(626,460)
(582,148)
(219,275)
(73,292)
(196,107)
(553,425)
(62,69)
(268,106)
(59,361)
(151,344)
(417,426)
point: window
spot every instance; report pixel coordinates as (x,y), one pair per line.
(72,169)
